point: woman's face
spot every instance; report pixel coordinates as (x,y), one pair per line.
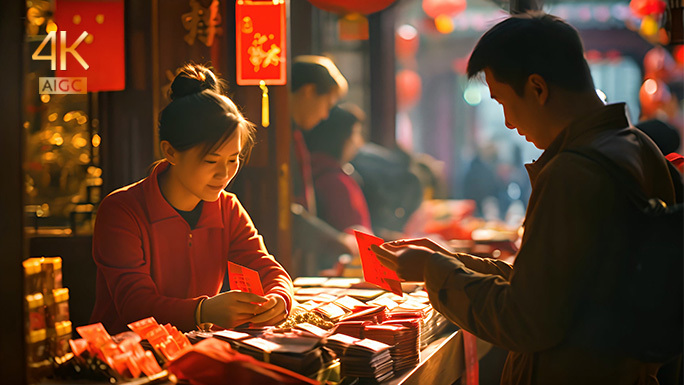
(310,108)
(352,144)
(205,178)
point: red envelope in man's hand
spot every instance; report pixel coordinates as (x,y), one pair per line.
(244,279)
(374,271)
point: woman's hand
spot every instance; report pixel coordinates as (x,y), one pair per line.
(271,312)
(232,308)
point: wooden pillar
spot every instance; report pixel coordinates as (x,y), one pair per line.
(382,75)
(12,350)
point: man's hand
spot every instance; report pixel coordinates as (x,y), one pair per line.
(423,242)
(407,260)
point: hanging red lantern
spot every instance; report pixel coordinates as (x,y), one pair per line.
(436,8)
(678,54)
(654,96)
(343,7)
(409,87)
(642,8)
(406,41)
(658,64)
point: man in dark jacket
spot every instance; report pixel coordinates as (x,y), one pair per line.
(544,308)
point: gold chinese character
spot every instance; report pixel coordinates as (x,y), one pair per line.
(261,58)
(202,23)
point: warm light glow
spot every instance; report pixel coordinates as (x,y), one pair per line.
(650,86)
(51,26)
(79,141)
(407,32)
(77,19)
(84,158)
(45,98)
(89,39)
(96,140)
(444,24)
(68,116)
(57,139)
(82,119)
(52,117)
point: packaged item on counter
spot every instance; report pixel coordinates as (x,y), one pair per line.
(59,341)
(36,351)
(57,306)
(52,268)
(34,277)
(38,364)
(35,311)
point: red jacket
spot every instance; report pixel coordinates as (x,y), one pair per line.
(150,263)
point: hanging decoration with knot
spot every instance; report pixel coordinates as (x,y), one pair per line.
(261,47)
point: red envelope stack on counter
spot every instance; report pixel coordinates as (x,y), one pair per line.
(368,358)
(166,340)
(123,353)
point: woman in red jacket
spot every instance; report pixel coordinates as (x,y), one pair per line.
(161,245)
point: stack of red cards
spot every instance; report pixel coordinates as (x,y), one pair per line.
(368,358)
(166,340)
(340,342)
(123,353)
(404,336)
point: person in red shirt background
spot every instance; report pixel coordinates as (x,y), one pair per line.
(333,144)
(161,245)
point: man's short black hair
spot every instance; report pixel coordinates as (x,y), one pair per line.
(533,43)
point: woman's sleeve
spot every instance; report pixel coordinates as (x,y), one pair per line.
(247,248)
(118,254)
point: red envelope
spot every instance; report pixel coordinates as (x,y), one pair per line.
(244,279)
(374,271)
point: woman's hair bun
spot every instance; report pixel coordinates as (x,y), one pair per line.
(191,79)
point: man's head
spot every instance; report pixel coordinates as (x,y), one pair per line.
(317,85)
(524,58)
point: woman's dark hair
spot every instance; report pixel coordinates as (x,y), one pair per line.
(199,114)
(330,135)
(533,43)
(319,71)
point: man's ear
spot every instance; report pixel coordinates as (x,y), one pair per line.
(539,88)
(168,152)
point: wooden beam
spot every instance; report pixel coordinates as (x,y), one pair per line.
(12,349)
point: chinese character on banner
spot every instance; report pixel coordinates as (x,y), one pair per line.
(202,23)
(103,47)
(261,48)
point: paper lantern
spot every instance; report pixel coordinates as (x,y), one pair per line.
(406,41)
(658,64)
(409,88)
(653,96)
(435,8)
(642,8)
(343,7)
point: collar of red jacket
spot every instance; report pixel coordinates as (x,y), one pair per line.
(611,116)
(159,209)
